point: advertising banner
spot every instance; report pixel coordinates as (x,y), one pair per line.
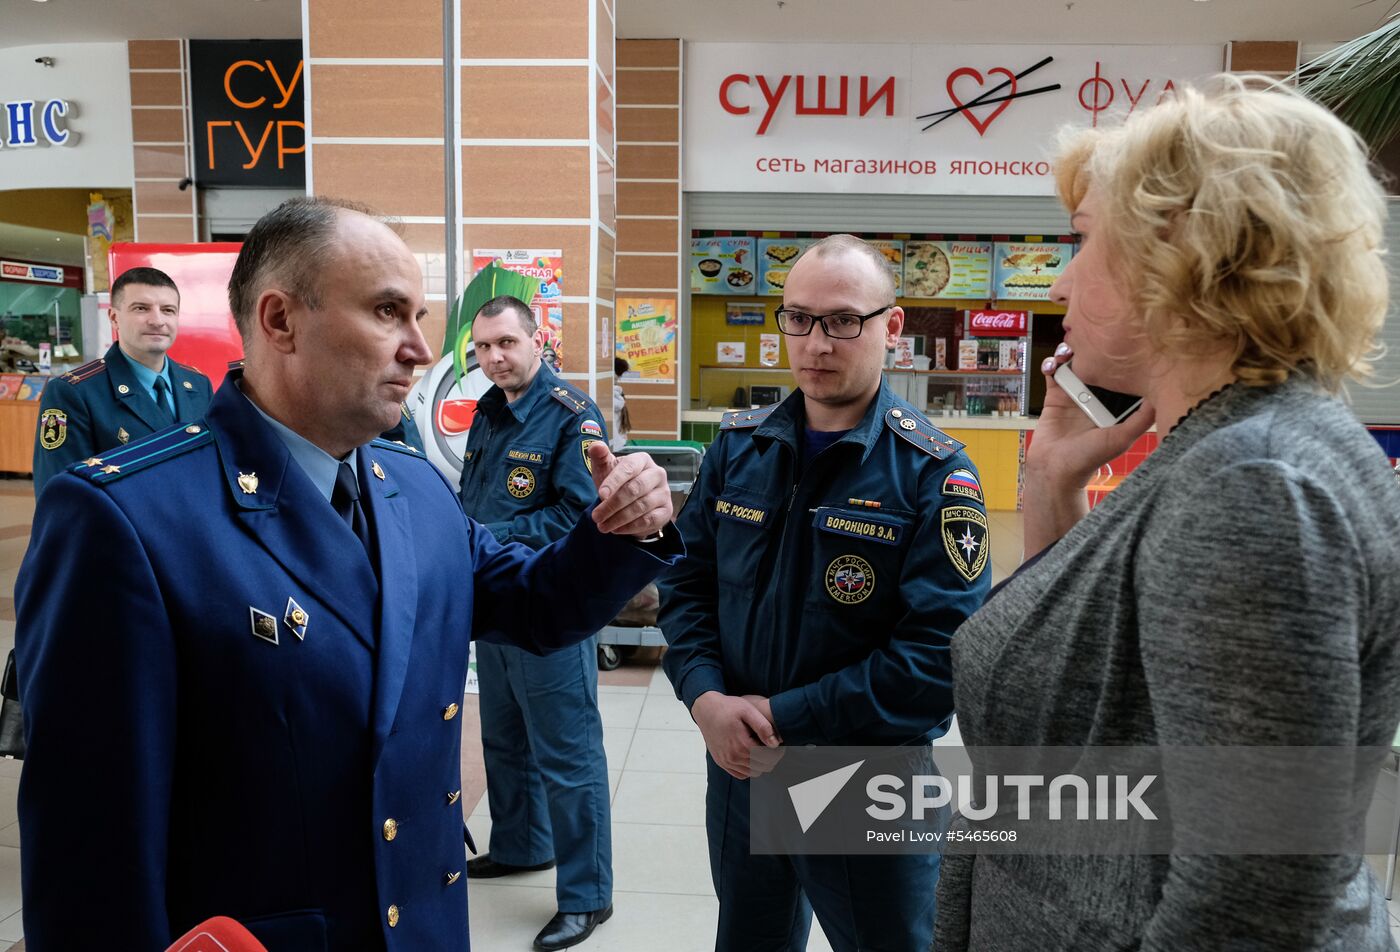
(646,337)
(547,266)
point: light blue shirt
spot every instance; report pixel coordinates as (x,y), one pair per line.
(318,465)
(146,377)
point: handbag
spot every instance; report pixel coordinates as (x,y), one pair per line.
(11,716)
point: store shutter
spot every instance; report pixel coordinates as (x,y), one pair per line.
(923,214)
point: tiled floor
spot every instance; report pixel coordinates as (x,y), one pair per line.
(662,892)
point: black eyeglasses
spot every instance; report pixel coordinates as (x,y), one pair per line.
(796,323)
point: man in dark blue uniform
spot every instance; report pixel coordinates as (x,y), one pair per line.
(525,477)
(835,543)
(132,391)
(270,610)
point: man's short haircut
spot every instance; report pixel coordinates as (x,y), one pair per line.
(833,245)
(148,276)
(509,302)
(283,248)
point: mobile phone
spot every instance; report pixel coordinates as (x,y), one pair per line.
(1104,407)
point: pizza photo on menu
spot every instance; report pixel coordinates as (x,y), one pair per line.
(926,269)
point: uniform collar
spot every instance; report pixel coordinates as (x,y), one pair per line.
(539,388)
(145,376)
(130,390)
(319,466)
(784,425)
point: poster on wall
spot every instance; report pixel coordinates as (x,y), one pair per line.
(948,269)
(1025,271)
(547,266)
(745,313)
(776,256)
(722,265)
(769,349)
(729,352)
(893,251)
(646,338)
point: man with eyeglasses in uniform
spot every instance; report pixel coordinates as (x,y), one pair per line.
(848,537)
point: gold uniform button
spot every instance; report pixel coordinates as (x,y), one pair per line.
(450,711)
(453,797)
(393,916)
(391,829)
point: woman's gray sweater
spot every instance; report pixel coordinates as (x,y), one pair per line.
(1241,587)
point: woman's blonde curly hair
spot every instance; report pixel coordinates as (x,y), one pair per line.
(1245,213)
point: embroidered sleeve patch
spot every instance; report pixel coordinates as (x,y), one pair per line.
(749,515)
(963,482)
(53,428)
(964,532)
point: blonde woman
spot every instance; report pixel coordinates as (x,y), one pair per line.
(1242,586)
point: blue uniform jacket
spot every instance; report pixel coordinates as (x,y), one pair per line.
(231,711)
(802,591)
(101,404)
(525,472)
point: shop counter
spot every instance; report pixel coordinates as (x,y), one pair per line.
(19,421)
(994,444)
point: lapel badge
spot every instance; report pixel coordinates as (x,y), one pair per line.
(264,625)
(123,389)
(122,434)
(376,470)
(248,482)
(908,424)
(188,385)
(297,619)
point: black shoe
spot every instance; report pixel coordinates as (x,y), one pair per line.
(570,928)
(484,867)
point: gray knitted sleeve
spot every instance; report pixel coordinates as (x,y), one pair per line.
(1252,599)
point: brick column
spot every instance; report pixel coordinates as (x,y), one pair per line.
(1271,57)
(537,157)
(159,77)
(651,250)
(375,122)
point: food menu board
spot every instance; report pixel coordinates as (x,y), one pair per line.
(948,269)
(894,258)
(1025,271)
(776,257)
(722,265)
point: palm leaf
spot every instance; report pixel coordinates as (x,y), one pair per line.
(1360,82)
(492,281)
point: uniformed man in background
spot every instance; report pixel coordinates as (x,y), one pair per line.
(835,543)
(250,634)
(132,391)
(525,476)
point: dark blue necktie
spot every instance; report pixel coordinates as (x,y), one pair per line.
(346,500)
(166,414)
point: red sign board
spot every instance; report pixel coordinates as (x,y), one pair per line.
(998,323)
(208,338)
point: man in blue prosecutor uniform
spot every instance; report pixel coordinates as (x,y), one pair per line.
(131,392)
(525,477)
(835,543)
(269,612)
